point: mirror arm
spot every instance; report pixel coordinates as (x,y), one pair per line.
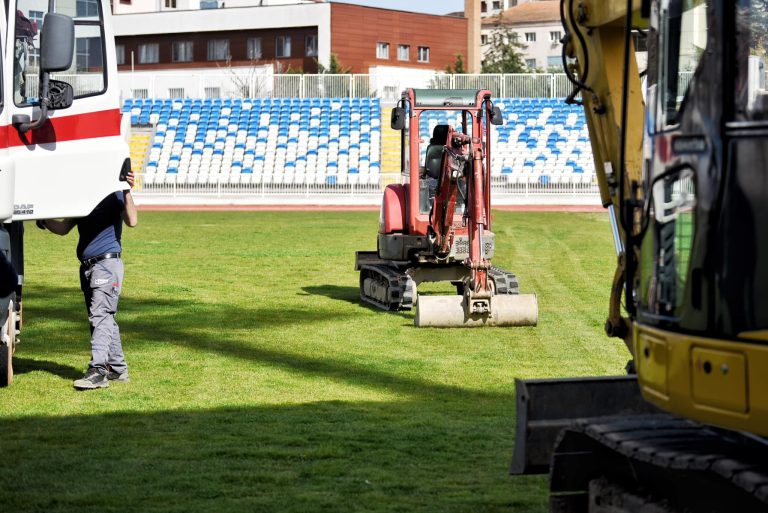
(44,86)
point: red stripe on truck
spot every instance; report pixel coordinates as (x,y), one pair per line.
(105,123)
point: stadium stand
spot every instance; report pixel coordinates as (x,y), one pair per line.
(338,141)
(542,141)
(270,140)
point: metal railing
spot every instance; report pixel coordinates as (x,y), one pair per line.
(244,84)
(180,188)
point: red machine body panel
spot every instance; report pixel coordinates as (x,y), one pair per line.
(393,208)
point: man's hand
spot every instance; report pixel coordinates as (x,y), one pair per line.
(130,178)
(130,214)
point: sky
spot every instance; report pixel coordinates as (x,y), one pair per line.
(427,6)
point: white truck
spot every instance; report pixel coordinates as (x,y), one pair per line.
(61,148)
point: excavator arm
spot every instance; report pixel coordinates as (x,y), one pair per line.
(463,161)
(452,170)
(596,46)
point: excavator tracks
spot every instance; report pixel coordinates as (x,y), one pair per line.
(505,282)
(386,287)
(664,463)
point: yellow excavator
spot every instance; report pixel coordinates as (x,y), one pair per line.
(681,154)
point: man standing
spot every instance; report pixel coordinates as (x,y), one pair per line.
(101,278)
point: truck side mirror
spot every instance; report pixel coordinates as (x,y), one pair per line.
(398,118)
(57,42)
(496,117)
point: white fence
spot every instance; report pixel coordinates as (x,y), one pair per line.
(220,190)
(243,84)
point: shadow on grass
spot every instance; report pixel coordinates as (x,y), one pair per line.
(178,322)
(332,456)
(26,365)
(349,295)
(337,292)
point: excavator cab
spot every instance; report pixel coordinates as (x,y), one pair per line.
(687,196)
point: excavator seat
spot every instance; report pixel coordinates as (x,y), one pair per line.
(434,157)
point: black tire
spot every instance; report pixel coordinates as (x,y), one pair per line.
(6,365)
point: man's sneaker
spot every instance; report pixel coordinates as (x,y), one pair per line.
(121,377)
(92,379)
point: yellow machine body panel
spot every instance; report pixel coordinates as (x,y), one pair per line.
(714,381)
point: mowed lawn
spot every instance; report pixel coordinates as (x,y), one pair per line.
(261,384)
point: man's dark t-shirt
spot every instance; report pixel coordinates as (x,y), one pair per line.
(101,230)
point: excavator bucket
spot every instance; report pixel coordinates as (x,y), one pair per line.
(452,312)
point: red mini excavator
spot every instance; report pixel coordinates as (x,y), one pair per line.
(436,226)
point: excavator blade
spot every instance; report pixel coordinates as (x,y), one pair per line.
(451,312)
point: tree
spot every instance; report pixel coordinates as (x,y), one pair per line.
(334,67)
(504,53)
(458,66)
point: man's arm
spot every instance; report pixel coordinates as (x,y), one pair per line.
(58,226)
(130,214)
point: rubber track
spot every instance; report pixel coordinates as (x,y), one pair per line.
(677,444)
(400,287)
(505,281)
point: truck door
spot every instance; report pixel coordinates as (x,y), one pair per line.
(73,159)
(6,169)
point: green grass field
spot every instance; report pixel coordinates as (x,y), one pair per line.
(261,384)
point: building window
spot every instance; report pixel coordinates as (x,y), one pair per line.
(496,5)
(483,7)
(403,52)
(120,54)
(170,4)
(212,92)
(423,54)
(283,47)
(176,92)
(254,48)
(530,37)
(554,61)
(218,49)
(149,53)
(531,63)
(181,51)
(555,36)
(515,37)
(87,9)
(484,39)
(88,54)
(310,46)
(33,55)
(382,50)
(37,18)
